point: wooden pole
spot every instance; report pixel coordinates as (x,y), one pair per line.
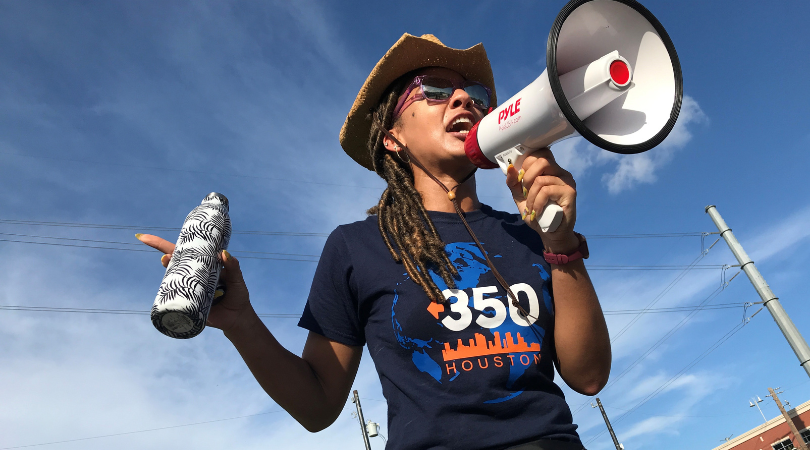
(799,441)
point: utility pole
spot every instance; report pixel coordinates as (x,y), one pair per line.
(607,422)
(794,338)
(799,441)
(356,401)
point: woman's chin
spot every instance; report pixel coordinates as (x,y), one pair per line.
(455,143)
(459,157)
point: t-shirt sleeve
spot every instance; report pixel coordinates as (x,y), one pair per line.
(332,306)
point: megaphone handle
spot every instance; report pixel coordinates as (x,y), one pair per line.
(550,218)
(552,214)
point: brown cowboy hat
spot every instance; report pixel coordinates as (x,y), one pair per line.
(409,53)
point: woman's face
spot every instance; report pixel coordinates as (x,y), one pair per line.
(435,133)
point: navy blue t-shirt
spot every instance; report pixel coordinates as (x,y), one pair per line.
(471,374)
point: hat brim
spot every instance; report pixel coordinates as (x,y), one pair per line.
(407,54)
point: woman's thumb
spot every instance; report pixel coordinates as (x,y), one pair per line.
(233,273)
(514,183)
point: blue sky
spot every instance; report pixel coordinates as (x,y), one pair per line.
(129,113)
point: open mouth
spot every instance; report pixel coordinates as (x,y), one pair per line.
(461,125)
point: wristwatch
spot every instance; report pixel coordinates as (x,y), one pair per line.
(559,259)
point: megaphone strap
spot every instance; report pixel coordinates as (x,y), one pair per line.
(451,196)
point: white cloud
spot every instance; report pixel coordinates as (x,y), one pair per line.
(687,392)
(784,235)
(671,408)
(632,169)
(88,376)
(641,168)
(578,156)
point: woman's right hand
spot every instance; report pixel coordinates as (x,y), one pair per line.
(234,308)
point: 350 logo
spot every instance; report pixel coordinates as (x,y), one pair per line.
(486,306)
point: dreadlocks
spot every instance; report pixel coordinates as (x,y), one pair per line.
(404,223)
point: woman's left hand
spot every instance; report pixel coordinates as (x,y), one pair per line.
(543,181)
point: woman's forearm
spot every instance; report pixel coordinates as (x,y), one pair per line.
(289,379)
(580,332)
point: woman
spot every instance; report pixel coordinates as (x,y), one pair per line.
(465,354)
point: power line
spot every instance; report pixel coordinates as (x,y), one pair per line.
(675,377)
(296,316)
(112,311)
(76,245)
(139,244)
(147,228)
(139,431)
(218,174)
(648,308)
(654,267)
(283,233)
(677,415)
(673,309)
(154,429)
(595,267)
(643,235)
(669,334)
(72,239)
(313,258)
(666,290)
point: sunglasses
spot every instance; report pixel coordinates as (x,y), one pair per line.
(439,90)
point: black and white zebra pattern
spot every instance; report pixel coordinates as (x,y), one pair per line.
(187,291)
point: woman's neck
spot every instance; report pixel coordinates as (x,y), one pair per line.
(435,198)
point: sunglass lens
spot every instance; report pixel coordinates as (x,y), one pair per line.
(437,89)
(479,95)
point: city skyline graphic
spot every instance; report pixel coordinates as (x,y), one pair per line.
(479,346)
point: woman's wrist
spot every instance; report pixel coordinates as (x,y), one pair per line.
(245,322)
(567,244)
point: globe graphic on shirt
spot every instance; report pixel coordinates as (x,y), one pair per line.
(429,355)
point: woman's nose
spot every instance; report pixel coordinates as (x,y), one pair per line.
(460,99)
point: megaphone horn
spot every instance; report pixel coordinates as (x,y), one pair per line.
(612,75)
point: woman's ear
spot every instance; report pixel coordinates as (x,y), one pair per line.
(389,143)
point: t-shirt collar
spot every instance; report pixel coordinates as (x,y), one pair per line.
(452,217)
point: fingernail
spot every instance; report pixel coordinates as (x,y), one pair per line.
(226,254)
(138,236)
(525,192)
(164,256)
(510,167)
(520,175)
(534,215)
(523,215)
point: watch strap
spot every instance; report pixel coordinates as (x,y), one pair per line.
(559,259)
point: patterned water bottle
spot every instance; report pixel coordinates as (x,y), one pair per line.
(187,291)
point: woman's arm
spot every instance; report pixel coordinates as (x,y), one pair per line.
(580,332)
(313,387)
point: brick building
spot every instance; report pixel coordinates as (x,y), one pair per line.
(775,434)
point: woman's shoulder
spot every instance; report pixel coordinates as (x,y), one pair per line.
(358,230)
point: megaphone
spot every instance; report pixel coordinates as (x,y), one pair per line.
(612,76)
